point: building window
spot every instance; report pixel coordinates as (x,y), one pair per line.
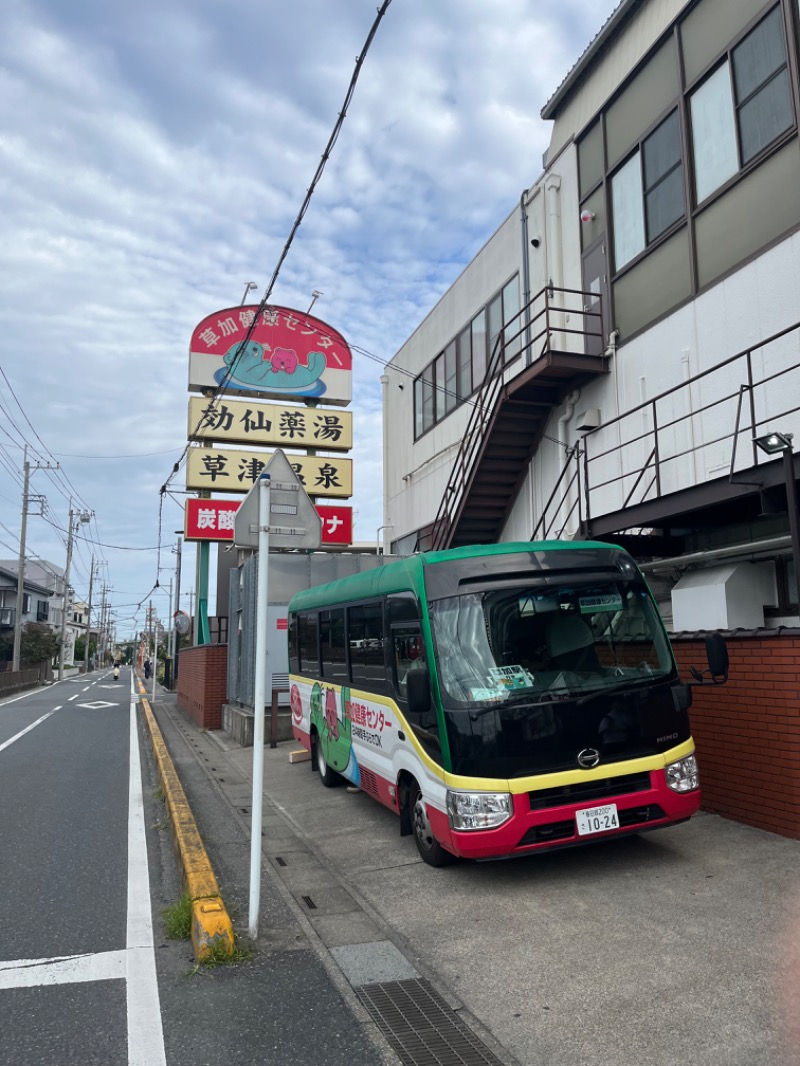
(478,328)
(742,107)
(42,610)
(424,401)
(450,378)
(647,191)
(464,369)
(460,369)
(511,310)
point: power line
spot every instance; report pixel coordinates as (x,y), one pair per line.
(220,390)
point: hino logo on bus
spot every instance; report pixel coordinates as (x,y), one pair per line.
(669,736)
(588,758)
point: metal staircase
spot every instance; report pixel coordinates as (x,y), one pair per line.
(553,345)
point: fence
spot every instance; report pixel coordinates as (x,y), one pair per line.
(32,676)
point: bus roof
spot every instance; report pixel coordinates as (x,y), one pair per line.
(407,574)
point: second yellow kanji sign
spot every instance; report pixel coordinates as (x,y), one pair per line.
(235,470)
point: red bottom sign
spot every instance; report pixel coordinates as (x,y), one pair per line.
(213,520)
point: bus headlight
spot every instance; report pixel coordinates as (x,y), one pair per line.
(478,810)
(683,776)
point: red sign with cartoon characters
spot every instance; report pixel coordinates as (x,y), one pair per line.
(276,352)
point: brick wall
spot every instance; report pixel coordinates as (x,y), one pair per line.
(748,731)
(202,683)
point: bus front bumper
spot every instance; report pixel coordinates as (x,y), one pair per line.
(529,830)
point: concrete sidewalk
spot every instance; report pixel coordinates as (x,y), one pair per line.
(672,946)
(291,1004)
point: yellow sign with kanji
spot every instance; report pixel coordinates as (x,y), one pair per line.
(236,469)
(256,424)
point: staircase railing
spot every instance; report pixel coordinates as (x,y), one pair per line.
(535,324)
(483,409)
(543,527)
(673,436)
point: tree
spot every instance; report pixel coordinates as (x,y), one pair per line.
(39,643)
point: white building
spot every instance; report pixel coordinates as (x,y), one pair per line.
(639,311)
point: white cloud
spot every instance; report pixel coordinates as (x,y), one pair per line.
(152,160)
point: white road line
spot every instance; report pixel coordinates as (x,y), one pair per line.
(27,729)
(145,1032)
(64,969)
(71,698)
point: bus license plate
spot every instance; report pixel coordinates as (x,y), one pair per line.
(597,820)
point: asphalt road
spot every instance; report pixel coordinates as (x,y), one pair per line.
(87,975)
(64,838)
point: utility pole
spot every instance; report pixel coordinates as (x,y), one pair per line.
(101,636)
(26,466)
(23,530)
(177,608)
(88,622)
(82,517)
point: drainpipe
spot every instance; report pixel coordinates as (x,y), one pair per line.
(555,249)
(385,416)
(526,273)
(566,448)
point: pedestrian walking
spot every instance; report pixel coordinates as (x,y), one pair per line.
(146,669)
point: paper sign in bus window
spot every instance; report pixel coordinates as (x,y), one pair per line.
(511,677)
(611,601)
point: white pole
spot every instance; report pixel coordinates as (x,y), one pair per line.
(259,702)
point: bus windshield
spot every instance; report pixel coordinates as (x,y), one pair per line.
(547,643)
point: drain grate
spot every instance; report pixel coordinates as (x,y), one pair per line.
(309,902)
(420,1026)
(280,861)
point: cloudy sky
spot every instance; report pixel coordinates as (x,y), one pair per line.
(153,157)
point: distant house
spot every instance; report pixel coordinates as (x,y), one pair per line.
(42,598)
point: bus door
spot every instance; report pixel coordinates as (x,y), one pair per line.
(407,648)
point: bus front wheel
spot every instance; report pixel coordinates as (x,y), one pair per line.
(327,776)
(427,845)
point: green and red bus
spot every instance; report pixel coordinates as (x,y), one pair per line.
(503,699)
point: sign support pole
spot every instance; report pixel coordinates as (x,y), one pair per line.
(259,701)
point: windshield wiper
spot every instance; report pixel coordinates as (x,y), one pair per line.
(520,701)
(621,686)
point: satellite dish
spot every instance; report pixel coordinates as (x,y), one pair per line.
(183,622)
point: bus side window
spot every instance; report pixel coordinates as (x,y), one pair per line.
(332,647)
(308,632)
(294,649)
(365,637)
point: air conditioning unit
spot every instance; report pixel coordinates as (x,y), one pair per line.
(8,616)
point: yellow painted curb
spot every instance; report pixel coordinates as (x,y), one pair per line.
(212,930)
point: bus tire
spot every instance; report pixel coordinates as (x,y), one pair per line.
(427,845)
(327,776)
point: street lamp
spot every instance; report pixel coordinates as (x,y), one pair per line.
(772,444)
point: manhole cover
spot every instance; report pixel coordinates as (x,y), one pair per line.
(421,1027)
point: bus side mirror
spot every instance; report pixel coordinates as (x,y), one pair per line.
(418,690)
(717,656)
